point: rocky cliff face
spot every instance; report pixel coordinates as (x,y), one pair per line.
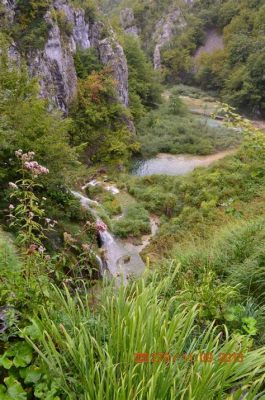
(166,28)
(213,41)
(111,53)
(54,64)
(128,22)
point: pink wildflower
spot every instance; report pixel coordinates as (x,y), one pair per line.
(18,153)
(101,227)
(36,168)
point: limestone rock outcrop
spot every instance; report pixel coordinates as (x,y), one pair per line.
(54,64)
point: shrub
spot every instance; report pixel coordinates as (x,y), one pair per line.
(176,106)
(86,62)
(170,130)
(135,222)
(30,30)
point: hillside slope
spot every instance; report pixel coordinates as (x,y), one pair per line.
(172,32)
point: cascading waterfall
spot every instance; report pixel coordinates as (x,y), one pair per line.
(122,259)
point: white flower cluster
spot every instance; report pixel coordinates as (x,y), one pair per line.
(33,166)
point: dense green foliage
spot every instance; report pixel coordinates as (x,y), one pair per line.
(237,72)
(86,62)
(30,30)
(224,275)
(134,223)
(173,129)
(25,123)
(192,327)
(100,121)
(144,87)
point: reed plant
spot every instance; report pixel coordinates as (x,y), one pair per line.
(92,351)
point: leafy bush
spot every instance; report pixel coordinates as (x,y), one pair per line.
(86,62)
(30,30)
(170,130)
(144,87)
(26,124)
(112,205)
(135,222)
(176,106)
(99,121)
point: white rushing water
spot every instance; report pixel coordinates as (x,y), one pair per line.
(122,258)
(109,188)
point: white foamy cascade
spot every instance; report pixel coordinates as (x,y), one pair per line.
(122,259)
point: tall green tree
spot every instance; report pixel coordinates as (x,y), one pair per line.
(144,86)
(100,121)
(26,123)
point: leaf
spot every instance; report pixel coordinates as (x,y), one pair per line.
(31,374)
(14,389)
(250,326)
(2,391)
(22,353)
(32,331)
(5,362)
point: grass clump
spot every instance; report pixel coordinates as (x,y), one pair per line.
(224,276)
(191,91)
(135,222)
(88,361)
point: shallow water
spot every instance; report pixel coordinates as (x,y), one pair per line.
(122,258)
(169,164)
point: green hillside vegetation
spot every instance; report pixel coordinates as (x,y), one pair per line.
(236,73)
(192,326)
(144,83)
(173,129)
(205,198)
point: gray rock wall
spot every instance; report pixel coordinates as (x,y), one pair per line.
(54,65)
